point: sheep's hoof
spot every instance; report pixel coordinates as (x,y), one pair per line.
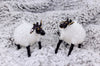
(55,51)
(40,47)
(29,55)
(68,54)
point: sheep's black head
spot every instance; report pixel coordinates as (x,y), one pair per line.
(38,28)
(64,24)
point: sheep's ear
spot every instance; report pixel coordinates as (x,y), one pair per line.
(41,23)
(70,21)
(34,25)
(37,23)
(67,19)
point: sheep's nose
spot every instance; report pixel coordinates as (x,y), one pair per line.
(42,33)
(61,26)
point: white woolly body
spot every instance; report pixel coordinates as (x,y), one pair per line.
(23,37)
(74,34)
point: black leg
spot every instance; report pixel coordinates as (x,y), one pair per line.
(70,49)
(79,45)
(18,46)
(28,51)
(58,45)
(39,45)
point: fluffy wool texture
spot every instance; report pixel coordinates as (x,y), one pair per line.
(87,12)
(74,34)
(22,35)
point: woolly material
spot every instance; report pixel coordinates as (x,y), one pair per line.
(23,37)
(74,34)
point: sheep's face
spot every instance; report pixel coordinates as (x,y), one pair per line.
(38,29)
(64,24)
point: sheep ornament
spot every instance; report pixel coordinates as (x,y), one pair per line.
(71,33)
(27,34)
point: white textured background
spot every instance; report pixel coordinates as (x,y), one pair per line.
(87,12)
